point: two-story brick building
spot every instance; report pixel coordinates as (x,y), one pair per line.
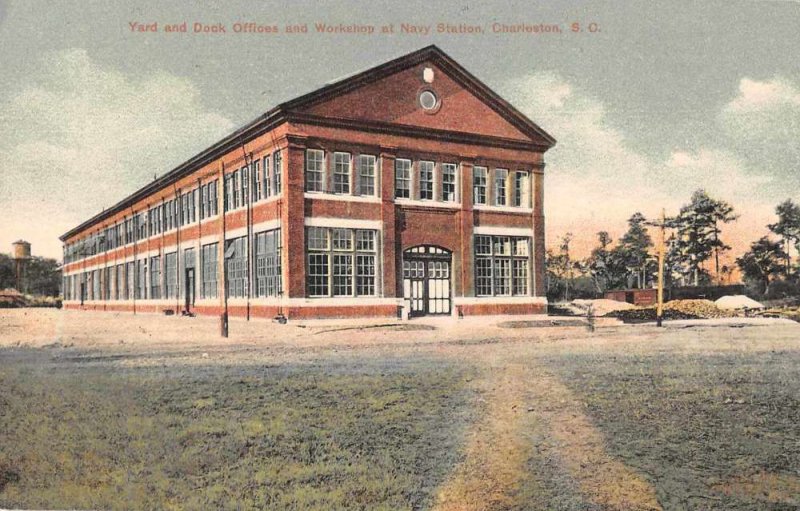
(409,187)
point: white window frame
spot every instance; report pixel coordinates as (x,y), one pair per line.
(310,158)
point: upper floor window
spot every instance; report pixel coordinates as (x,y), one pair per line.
(500,187)
(426,180)
(315,170)
(402,179)
(521,189)
(341,173)
(366,174)
(449,182)
(267,177)
(277,167)
(257,181)
(479,175)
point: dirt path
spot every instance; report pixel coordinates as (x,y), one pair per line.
(520,396)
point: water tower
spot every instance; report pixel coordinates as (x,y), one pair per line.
(21,255)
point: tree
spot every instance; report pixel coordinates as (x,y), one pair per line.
(42,275)
(601,264)
(698,226)
(787,227)
(762,262)
(632,252)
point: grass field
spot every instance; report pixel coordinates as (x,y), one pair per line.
(453,416)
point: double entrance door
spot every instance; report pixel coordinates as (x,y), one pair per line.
(426,280)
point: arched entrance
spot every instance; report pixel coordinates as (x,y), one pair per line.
(426,279)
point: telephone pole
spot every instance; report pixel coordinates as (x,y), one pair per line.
(661,241)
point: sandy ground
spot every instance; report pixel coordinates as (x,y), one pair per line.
(518,397)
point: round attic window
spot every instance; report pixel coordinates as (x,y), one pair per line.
(428,100)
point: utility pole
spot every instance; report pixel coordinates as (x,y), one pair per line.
(660,305)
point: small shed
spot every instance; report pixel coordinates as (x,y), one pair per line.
(639,297)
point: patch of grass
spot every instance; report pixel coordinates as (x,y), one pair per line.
(320,437)
(715,431)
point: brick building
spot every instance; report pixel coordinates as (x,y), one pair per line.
(407,188)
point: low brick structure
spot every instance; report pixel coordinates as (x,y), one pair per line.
(407,189)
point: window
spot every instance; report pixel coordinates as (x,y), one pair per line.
(428,100)
(521,189)
(236,267)
(228,192)
(119,283)
(244,177)
(209,271)
(128,289)
(237,191)
(277,169)
(426,180)
(500,177)
(479,185)
(203,201)
(193,206)
(257,181)
(268,263)
(213,198)
(267,178)
(171,277)
(107,283)
(341,173)
(366,174)
(141,279)
(155,278)
(402,179)
(501,265)
(315,170)
(341,262)
(449,182)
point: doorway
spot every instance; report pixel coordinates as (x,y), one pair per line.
(426,280)
(189,291)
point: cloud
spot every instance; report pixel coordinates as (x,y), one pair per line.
(83,137)
(594,181)
(762,123)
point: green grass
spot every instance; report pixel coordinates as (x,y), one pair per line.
(356,436)
(696,424)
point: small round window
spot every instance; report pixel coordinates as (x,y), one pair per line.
(428,100)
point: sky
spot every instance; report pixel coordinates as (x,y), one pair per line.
(648,101)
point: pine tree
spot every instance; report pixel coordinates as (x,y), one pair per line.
(788,228)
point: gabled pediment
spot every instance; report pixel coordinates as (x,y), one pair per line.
(399,91)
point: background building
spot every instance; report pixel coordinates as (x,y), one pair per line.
(407,187)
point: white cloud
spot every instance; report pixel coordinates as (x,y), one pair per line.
(594,181)
(762,124)
(757,95)
(82,137)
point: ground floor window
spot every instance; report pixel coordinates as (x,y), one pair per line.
(236,267)
(502,265)
(341,262)
(171,275)
(155,278)
(209,270)
(141,279)
(268,263)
